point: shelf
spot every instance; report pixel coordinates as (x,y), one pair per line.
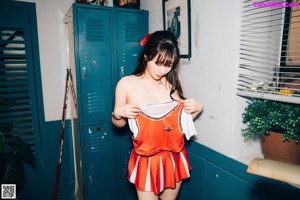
(289,173)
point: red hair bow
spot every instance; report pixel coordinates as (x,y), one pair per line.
(145,39)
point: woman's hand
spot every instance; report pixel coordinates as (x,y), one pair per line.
(126,111)
(192,106)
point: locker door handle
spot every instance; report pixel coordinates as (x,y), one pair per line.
(98,129)
(91,179)
(84,72)
(122,72)
(95,64)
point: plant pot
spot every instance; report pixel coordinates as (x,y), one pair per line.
(274,148)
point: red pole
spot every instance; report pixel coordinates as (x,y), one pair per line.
(61,139)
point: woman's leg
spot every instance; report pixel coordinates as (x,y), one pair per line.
(170,194)
(146,195)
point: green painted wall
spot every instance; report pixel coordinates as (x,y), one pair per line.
(39,183)
(216,177)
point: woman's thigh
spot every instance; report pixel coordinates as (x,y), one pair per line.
(146,195)
(170,194)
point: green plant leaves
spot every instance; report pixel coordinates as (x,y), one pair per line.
(263,116)
(13,151)
(22,150)
(11,169)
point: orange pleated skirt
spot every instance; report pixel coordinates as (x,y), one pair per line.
(158,172)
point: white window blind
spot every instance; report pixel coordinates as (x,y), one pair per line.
(269,60)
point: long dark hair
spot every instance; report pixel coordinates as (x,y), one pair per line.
(163,45)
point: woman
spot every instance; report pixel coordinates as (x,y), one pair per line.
(152,102)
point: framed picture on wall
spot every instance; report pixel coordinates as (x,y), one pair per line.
(177,19)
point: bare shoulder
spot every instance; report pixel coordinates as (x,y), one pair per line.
(124,87)
(127,82)
(129,78)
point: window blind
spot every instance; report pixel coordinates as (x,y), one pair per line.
(14,78)
(269,58)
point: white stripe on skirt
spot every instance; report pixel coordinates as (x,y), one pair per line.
(133,174)
(162,186)
(148,185)
(173,162)
(185,164)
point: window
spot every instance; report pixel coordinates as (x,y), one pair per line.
(290,54)
(20,79)
(269,66)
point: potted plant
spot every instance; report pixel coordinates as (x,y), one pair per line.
(274,121)
(13,151)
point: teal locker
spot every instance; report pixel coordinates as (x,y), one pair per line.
(131,28)
(99,160)
(94,34)
(128,190)
(106,46)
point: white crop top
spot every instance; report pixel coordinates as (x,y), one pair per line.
(159,110)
